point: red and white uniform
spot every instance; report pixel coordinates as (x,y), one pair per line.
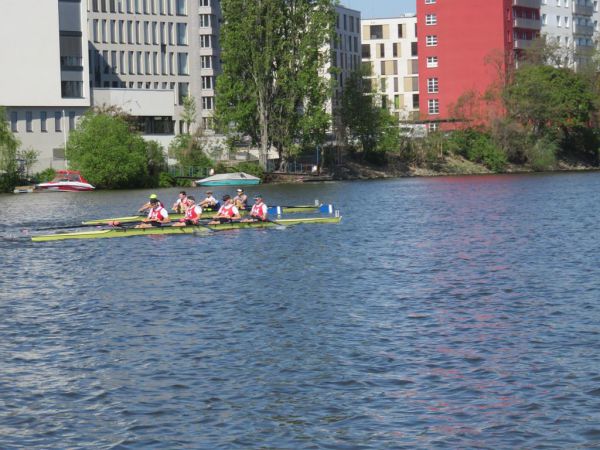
(259,211)
(158,213)
(228,210)
(192,214)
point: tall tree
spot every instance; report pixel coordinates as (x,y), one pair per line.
(8,154)
(273,87)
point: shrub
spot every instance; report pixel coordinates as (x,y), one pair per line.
(45,175)
(166,180)
(542,155)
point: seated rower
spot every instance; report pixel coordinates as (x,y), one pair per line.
(193,213)
(209,202)
(227,213)
(259,211)
(241,200)
(157,216)
(180,205)
(146,206)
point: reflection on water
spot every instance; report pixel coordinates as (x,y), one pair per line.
(455,312)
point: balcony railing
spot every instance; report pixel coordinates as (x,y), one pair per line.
(522,43)
(584,10)
(528,3)
(528,24)
(587,30)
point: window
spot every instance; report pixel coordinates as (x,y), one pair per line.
(376,32)
(558,21)
(432,85)
(414,49)
(57,121)
(400,31)
(207,82)
(205,41)
(204,3)
(429,2)
(432,61)
(430,19)
(205,20)
(180,8)
(43,118)
(181,34)
(415,101)
(206,62)
(431,41)
(366,51)
(14,119)
(433,127)
(71,120)
(544,19)
(182,64)
(433,105)
(207,103)
(396,50)
(566,21)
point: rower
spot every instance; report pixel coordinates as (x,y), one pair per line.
(157,216)
(193,213)
(259,210)
(209,202)
(241,200)
(180,205)
(227,213)
(148,205)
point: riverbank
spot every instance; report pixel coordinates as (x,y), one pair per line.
(451,165)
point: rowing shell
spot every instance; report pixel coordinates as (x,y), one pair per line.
(200,229)
(274,210)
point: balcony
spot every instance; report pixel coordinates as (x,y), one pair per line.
(527,24)
(584,10)
(586,30)
(522,44)
(528,3)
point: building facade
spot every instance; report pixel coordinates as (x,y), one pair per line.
(45,85)
(465,46)
(157,45)
(571,24)
(389,47)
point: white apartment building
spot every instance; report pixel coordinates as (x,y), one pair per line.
(390,48)
(345,58)
(157,45)
(572,24)
(45,85)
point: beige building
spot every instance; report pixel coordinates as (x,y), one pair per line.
(389,46)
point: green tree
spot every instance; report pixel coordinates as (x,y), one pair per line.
(188,114)
(108,154)
(272,87)
(365,121)
(547,97)
(188,150)
(8,155)
(28,158)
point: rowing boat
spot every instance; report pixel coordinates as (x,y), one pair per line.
(273,210)
(192,229)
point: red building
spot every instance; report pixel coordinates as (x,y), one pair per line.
(465,47)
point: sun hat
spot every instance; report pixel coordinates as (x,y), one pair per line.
(153,196)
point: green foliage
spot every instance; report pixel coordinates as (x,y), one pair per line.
(28,157)
(166,180)
(542,154)
(188,150)
(549,97)
(477,147)
(271,87)
(45,175)
(188,114)
(8,146)
(373,127)
(107,153)
(156,162)
(250,168)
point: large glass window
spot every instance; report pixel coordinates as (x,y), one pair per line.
(376,32)
(43,119)
(14,120)
(182,34)
(180,8)
(57,121)
(182,64)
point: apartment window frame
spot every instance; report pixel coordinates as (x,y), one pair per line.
(433,85)
(433,106)
(430,19)
(43,121)
(432,62)
(431,40)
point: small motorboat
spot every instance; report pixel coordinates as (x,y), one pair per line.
(229,179)
(65,181)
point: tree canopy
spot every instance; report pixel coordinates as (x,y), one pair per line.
(108,154)
(545,97)
(272,87)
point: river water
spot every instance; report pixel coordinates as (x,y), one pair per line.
(453,312)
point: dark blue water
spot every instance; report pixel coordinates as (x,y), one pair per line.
(441,313)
